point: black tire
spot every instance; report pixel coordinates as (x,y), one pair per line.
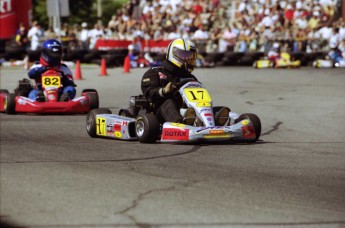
(89,90)
(126,113)
(10,103)
(93,98)
(256,123)
(4,91)
(147,128)
(91,124)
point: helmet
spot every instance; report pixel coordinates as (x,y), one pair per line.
(182,53)
(52,52)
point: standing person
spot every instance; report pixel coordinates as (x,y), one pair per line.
(84,36)
(35,35)
(22,37)
(51,56)
(94,35)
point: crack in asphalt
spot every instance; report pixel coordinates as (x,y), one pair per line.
(274,128)
(135,203)
(194,149)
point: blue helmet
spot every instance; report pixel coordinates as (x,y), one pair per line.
(52,52)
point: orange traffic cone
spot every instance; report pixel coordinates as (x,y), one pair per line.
(103,68)
(77,74)
(127,65)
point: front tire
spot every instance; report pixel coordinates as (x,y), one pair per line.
(147,128)
(255,121)
(93,99)
(10,103)
(91,124)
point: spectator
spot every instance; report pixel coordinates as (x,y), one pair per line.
(84,36)
(49,33)
(95,34)
(228,41)
(313,22)
(22,37)
(35,35)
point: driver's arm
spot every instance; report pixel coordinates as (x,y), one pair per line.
(150,86)
(36,71)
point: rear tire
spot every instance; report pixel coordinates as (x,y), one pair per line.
(10,103)
(4,91)
(93,99)
(91,125)
(147,128)
(88,90)
(256,123)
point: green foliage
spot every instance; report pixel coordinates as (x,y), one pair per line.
(80,10)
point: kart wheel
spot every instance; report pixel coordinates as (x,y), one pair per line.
(10,103)
(88,90)
(91,124)
(126,113)
(4,91)
(93,98)
(256,123)
(147,128)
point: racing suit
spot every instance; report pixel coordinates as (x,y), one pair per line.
(337,57)
(40,67)
(165,107)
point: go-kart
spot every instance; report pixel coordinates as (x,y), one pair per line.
(328,63)
(210,123)
(284,61)
(18,102)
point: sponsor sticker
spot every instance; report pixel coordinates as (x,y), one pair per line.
(21,101)
(248,132)
(216,132)
(162,76)
(178,125)
(175,134)
(117,134)
(101,126)
(117,127)
(245,122)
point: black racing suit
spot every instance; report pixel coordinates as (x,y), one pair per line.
(165,107)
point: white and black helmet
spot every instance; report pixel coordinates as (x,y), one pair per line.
(182,53)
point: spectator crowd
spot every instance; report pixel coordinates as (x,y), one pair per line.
(214,25)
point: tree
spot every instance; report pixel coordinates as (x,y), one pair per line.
(80,10)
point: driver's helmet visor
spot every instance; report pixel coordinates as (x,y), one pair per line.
(188,57)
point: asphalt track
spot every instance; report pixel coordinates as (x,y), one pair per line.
(54,175)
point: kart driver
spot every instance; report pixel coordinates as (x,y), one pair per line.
(51,55)
(160,83)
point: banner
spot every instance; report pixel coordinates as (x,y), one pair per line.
(12,13)
(147,45)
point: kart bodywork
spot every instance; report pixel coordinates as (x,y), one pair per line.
(327,63)
(284,61)
(18,102)
(207,126)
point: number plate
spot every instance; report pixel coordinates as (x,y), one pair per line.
(198,95)
(51,81)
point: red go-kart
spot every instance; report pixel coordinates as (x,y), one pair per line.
(18,102)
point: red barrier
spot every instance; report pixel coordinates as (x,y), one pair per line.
(147,45)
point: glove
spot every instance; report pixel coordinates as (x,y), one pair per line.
(169,88)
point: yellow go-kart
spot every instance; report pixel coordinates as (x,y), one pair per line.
(283,62)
